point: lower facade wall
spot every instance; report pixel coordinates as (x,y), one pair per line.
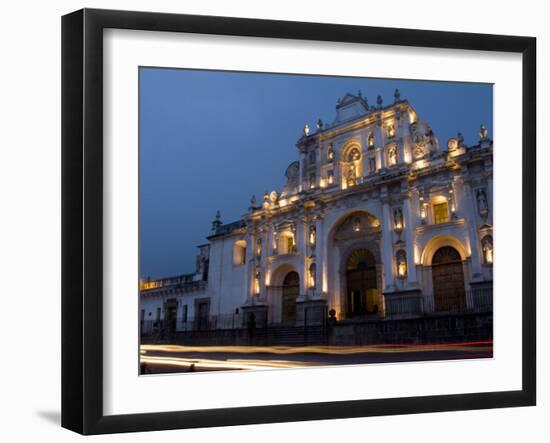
(425,330)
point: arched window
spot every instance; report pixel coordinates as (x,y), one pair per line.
(239,252)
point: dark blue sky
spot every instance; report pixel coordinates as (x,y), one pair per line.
(211,139)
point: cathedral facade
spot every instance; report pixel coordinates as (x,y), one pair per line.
(376,222)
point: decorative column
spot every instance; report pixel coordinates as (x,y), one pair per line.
(250,263)
(303,169)
(301,243)
(387,249)
(319,255)
(409,239)
(472,230)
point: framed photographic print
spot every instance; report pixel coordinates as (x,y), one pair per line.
(269,221)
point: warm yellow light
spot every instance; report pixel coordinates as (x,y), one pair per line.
(257,284)
(330,178)
(402,269)
(489,255)
(149,284)
(312,237)
(423,207)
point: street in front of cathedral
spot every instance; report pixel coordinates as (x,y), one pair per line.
(172,358)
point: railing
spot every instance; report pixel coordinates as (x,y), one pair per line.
(400,305)
(482,298)
(477,299)
(158,328)
(186,279)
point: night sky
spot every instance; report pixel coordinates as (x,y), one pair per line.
(211,139)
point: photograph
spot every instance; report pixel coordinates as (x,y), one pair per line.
(297,221)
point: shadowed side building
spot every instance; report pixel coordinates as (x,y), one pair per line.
(377,229)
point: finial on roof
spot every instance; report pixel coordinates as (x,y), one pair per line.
(320,124)
(253,200)
(306,130)
(379,101)
(397,95)
(460,138)
(217,222)
(483,132)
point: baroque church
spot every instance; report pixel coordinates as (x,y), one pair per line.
(376,222)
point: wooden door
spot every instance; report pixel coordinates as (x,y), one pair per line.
(448,280)
(291,290)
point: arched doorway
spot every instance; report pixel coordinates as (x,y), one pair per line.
(291,289)
(448,280)
(361,287)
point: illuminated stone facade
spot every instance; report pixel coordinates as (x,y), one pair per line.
(375,221)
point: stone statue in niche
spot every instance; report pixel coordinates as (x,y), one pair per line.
(312,235)
(398,218)
(487,246)
(482,205)
(351,175)
(419,151)
(392,155)
(354,155)
(370,140)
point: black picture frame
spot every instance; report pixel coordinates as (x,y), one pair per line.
(82,218)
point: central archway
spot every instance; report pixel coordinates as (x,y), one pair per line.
(291,290)
(361,283)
